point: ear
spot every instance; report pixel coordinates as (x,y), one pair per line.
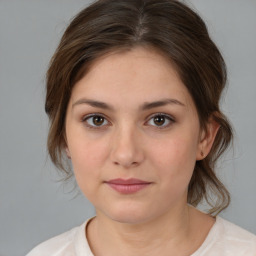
(68,153)
(66,146)
(206,138)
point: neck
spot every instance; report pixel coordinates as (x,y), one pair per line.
(167,233)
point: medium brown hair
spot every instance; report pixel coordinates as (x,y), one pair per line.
(173,29)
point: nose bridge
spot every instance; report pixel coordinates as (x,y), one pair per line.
(126,146)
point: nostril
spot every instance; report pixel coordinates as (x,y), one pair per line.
(127,165)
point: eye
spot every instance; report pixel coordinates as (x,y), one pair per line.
(95,121)
(161,120)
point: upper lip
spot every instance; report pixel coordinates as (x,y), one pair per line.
(131,181)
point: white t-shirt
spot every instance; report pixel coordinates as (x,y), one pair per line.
(224,239)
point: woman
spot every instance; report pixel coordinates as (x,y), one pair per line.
(133,100)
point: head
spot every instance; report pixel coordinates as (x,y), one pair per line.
(168,29)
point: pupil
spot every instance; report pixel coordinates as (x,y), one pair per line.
(159,120)
(98,120)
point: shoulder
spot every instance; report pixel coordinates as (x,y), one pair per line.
(226,238)
(232,232)
(63,244)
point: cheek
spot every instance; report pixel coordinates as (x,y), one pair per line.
(87,158)
(85,149)
(170,153)
(175,160)
(175,164)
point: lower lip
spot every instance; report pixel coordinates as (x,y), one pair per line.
(128,188)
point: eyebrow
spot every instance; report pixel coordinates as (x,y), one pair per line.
(143,107)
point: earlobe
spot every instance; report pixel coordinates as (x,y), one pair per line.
(207,138)
(66,147)
(68,153)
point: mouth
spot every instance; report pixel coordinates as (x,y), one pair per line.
(127,186)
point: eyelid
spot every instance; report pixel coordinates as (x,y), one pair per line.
(162,114)
(84,119)
(169,117)
(92,115)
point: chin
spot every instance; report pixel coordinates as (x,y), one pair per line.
(130,215)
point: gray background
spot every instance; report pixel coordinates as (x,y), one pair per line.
(33,206)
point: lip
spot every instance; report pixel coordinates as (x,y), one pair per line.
(127,186)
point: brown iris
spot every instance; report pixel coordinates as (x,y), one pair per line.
(159,120)
(98,120)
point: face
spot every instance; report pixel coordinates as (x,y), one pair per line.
(133,136)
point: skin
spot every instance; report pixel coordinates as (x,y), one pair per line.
(128,143)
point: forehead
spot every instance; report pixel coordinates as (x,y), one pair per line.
(129,77)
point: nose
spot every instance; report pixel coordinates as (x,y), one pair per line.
(127,148)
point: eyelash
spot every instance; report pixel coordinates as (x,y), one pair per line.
(166,116)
